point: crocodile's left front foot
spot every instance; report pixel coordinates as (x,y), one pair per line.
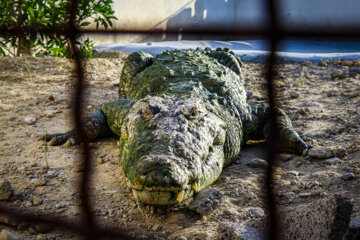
(65,139)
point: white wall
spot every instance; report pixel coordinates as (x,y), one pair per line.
(225,14)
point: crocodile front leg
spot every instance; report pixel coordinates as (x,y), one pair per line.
(258,126)
(94,126)
(104,121)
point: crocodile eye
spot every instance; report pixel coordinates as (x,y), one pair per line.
(194,112)
(146,113)
(154,109)
(150,111)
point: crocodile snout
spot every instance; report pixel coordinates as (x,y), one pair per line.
(161,172)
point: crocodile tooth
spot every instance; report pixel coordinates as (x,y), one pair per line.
(135,192)
(180,196)
(196,186)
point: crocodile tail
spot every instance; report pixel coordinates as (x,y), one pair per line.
(135,63)
(227,59)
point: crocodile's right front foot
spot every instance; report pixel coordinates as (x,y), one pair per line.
(66,139)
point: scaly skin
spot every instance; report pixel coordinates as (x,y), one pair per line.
(181,119)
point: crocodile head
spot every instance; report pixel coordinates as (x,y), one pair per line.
(171,147)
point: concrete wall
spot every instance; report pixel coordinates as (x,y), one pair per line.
(224,14)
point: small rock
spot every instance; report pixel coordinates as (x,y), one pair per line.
(249,94)
(304,195)
(37,201)
(339,152)
(181,238)
(238,231)
(52,173)
(42,227)
(333,160)
(231,212)
(354,229)
(338,74)
(320,153)
(40,237)
(142,237)
(50,115)
(30,120)
(285,157)
(290,195)
(207,236)
(6,235)
(156,227)
(50,98)
(28,204)
(322,219)
(100,161)
(37,182)
(6,190)
(257,163)
(256,212)
(298,164)
(348,176)
(206,201)
(294,94)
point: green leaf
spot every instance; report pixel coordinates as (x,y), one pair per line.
(31,11)
(84,24)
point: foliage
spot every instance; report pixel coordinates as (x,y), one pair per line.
(50,14)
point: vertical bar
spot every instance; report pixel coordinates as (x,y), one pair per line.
(273,32)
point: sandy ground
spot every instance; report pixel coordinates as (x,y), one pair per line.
(322,100)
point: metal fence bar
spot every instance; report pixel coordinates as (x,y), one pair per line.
(87,227)
(272,223)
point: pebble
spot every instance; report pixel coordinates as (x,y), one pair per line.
(294,94)
(52,173)
(333,160)
(206,201)
(42,227)
(37,182)
(348,176)
(37,201)
(30,120)
(257,163)
(285,157)
(238,231)
(28,204)
(249,94)
(256,212)
(339,152)
(338,74)
(40,237)
(6,235)
(290,195)
(181,238)
(320,153)
(231,212)
(6,189)
(354,229)
(156,227)
(100,161)
(304,195)
(50,98)
(298,164)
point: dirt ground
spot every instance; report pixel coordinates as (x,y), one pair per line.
(35,98)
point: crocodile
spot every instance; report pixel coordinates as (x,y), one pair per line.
(181,117)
